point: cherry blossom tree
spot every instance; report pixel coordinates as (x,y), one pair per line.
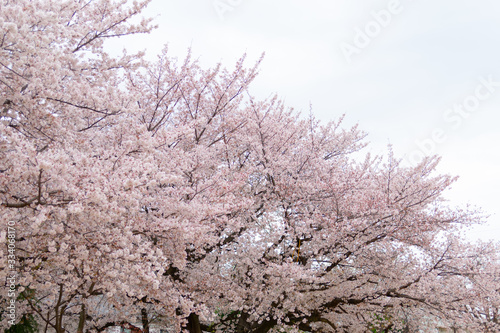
(331,243)
(161,191)
(59,105)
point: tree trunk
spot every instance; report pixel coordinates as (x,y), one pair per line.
(81,322)
(193,325)
(243,326)
(145,320)
(59,319)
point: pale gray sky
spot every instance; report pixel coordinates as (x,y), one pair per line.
(408,71)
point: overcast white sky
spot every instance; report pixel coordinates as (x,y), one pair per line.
(419,74)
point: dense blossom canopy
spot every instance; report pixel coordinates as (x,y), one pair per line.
(165,193)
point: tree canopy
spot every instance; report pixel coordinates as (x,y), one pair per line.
(143,192)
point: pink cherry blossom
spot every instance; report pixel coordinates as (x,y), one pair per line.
(165,193)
